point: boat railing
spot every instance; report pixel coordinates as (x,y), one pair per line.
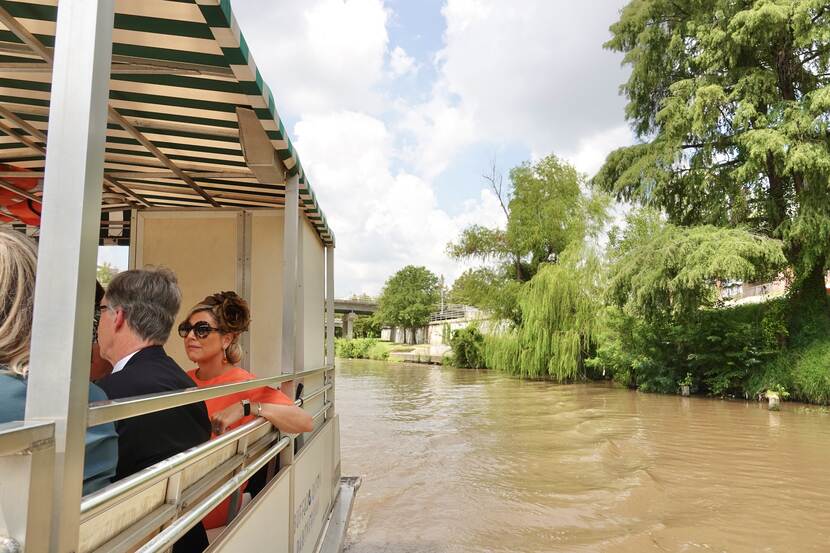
(150,510)
(27,458)
(119,409)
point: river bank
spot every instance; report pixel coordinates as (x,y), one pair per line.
(722,355)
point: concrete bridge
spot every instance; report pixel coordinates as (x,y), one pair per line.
(358,307)
(350,309)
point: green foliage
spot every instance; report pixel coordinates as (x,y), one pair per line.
(803,371)
(367,326)
(559,309)
(467,344)
(106,273)
(379,351)
(779,391)
(548,213)
(659,269)
(723,350)
(615,354)
(446,333)
(408,298)
(686,380)
(731,102)
(361,348)
(489,290)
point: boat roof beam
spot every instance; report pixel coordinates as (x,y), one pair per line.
(25,36)
(135,133)
(37,47)
(112,183)
(22,123)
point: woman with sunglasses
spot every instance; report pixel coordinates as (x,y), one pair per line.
(211,340)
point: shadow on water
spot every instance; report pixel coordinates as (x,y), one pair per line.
(472,461)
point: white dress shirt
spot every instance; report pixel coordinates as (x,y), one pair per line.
(123,362)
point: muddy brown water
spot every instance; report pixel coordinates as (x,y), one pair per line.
(471,461)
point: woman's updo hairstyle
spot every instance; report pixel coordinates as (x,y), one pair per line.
(232,315)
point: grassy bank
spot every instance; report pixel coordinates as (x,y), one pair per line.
(362,348)
(367,348)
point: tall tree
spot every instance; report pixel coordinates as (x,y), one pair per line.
(547,213)
(408,298)
(106,273)
(730,102)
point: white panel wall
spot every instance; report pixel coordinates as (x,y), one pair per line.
(200,247)
(264,526)
(312,489)
(266,292)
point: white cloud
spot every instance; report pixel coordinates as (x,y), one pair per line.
(433,132)
(383,219)
(526,73)
(401,63)
(319,55)
(591,151)
(534,71)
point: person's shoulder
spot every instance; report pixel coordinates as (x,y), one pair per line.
(12,397)
(237,374)
(10,379)
(12,384)
(96,393)
(115,385)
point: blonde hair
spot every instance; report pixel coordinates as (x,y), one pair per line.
(232,316)
(18,267)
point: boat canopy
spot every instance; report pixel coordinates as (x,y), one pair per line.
(183,83)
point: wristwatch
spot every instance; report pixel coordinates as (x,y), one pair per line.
(246,407)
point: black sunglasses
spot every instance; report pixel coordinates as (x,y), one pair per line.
(201,329)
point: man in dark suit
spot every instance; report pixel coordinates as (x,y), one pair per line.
(137,314)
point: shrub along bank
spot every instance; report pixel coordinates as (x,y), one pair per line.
(737,351)
(362,348)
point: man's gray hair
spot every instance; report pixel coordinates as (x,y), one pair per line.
(150,299)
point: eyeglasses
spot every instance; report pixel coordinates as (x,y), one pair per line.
(201,330)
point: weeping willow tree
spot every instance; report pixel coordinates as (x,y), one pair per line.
(558,307)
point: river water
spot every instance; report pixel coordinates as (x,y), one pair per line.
(470,461)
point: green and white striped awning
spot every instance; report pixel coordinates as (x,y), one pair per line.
(180,70)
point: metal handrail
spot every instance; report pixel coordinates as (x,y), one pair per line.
(102,412)
(140,481)
(326,406)
(312,395)
(99,501)
(17,437)
(179,528)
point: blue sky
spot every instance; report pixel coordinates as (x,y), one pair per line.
(398,107)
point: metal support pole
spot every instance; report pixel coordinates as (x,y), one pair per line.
(64,292)
(244,228)
(330,306)
(299,305)
(331,394)
(289,272)
(289,307)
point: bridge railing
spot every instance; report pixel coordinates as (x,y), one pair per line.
(450,311)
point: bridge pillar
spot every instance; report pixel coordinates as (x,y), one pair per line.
(348,325)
